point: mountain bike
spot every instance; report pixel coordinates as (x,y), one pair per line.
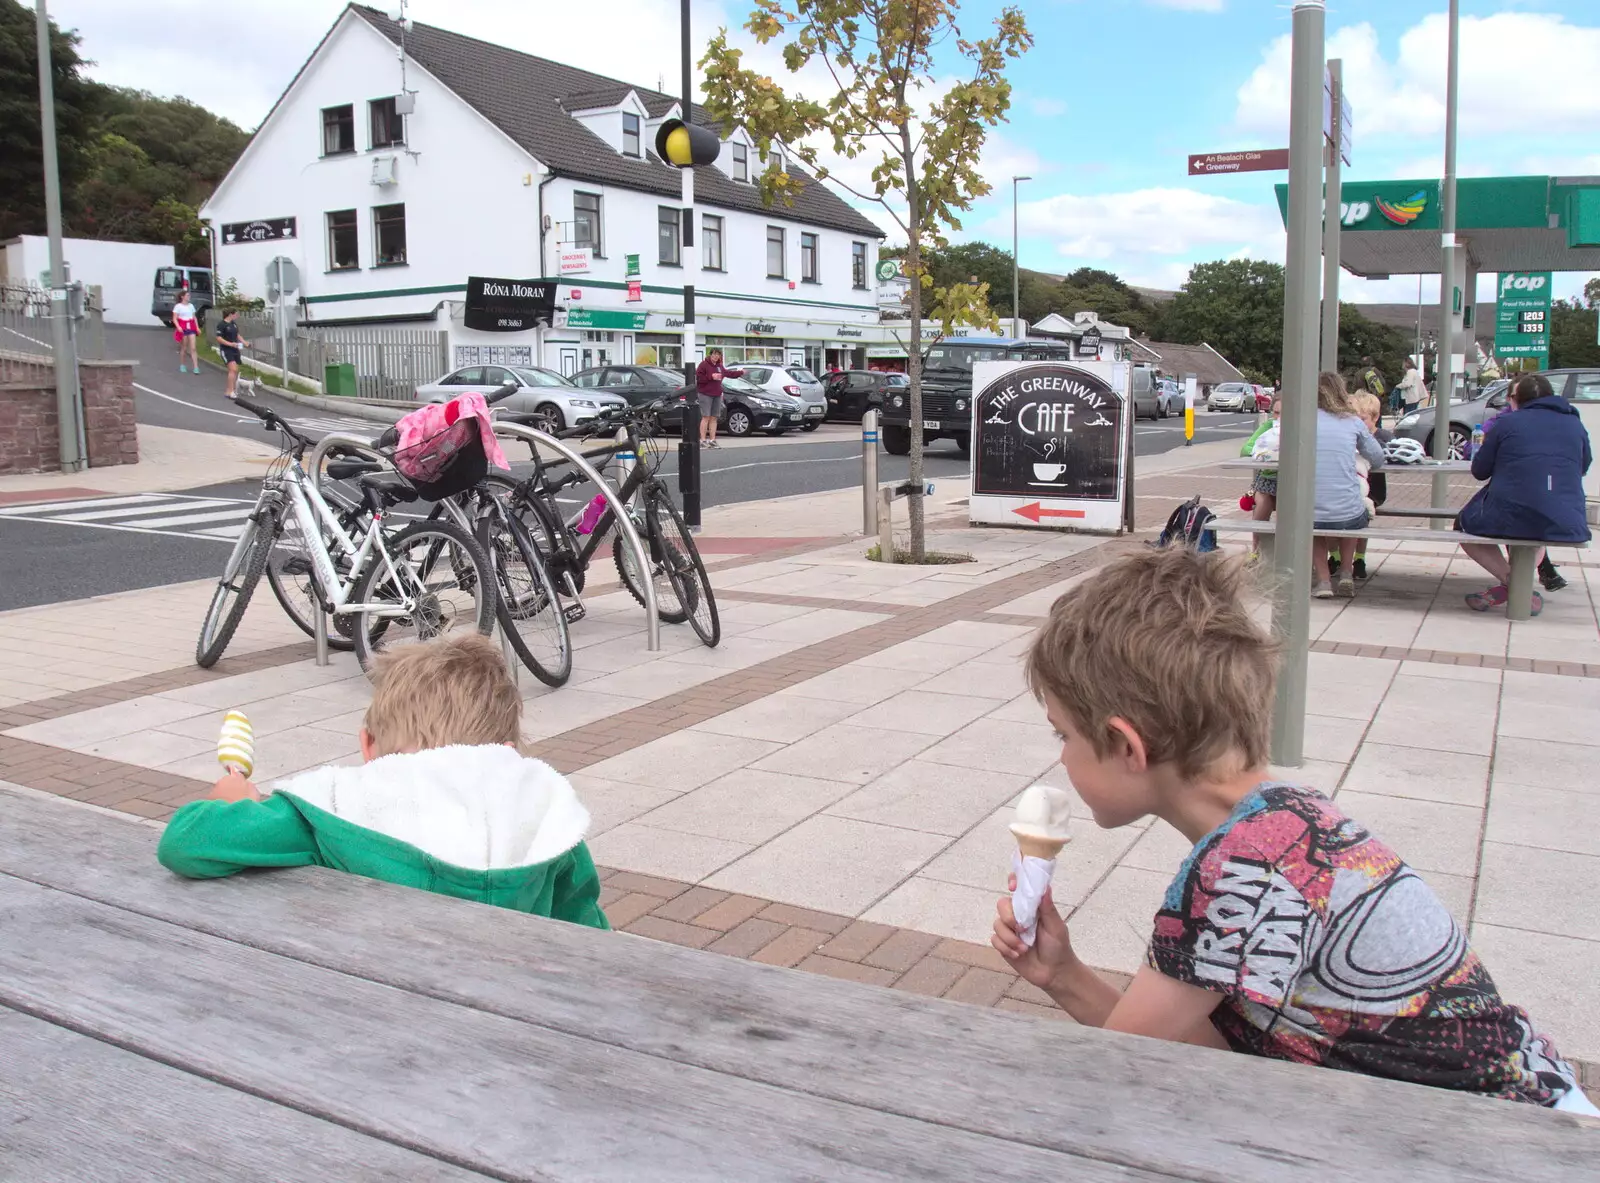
(682,588)
(412,583)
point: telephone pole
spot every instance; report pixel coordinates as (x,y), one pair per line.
(69,404)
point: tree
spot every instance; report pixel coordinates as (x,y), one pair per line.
(1101,292)
(1235,306)
(880,56)
(1360,337)
(1572,330)
(21,138)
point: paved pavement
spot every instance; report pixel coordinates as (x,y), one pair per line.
(829,788)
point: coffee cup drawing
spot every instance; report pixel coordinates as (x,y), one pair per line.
(1048,472)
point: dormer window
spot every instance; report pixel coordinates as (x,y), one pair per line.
(741,161)
(631,142)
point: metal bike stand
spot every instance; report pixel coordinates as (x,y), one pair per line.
(319,622)
(641,557)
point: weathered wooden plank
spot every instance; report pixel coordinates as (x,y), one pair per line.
(485,1092)
(937,1061)
(73,1108)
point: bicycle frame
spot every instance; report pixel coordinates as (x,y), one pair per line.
(308,505)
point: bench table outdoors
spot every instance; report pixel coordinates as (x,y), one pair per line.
(1429,466)
(311,1025)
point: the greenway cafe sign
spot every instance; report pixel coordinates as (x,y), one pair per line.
(1522,315)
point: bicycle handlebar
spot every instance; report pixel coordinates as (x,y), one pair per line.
(273,420)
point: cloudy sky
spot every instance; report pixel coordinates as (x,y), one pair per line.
(1109,102)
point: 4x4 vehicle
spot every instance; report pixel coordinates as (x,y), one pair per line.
(169,284)
(947,388)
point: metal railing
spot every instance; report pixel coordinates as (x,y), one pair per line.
(390,363)
(27,353)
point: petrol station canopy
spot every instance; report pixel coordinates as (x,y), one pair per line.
(1505,223)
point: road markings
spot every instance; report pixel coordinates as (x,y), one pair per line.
(361,427)
(173,514)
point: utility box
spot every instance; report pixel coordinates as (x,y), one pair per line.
(339,380)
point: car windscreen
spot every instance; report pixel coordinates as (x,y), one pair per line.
(664,376)
(1232,388)
(801,374)
(959,357)
(740,386)
(532,377)
(200,281)
(896,380)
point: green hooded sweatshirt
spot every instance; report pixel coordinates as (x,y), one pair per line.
(478,823)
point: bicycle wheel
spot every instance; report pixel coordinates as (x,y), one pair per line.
(290,574)
(683,590)
(237,585)
(549,534)
(527,606)
(436,578)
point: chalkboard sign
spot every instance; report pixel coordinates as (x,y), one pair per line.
(508,305)
(261,230)
(1048,430)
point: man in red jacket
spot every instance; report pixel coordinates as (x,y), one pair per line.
(708,376)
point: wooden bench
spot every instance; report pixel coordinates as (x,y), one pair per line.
(312,1025)
(1523,552)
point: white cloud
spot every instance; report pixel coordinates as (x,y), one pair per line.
(1047,108)
(1521,72)
(1148,222)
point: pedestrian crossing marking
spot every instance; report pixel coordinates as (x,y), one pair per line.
(173,514)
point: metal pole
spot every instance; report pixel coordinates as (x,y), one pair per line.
(885,496)
(1445,376)
(869,472)
(1016,300)
(69,405)
(283,331)
(1332,198)
(1291,611)
(689,444)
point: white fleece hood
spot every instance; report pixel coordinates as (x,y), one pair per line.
(485,808)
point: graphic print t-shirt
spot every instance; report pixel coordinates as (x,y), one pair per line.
(228,330)
(1330,950)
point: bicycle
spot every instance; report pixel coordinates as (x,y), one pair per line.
(426,577)
(683,590)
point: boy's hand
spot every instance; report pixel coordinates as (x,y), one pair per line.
(1051,955)
(235,787)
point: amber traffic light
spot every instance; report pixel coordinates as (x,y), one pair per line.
(683,145)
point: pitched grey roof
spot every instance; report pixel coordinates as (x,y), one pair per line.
(528,98)
(1175,360)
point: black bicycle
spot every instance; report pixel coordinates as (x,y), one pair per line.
(682,588)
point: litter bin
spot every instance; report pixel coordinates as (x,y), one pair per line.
(339,380)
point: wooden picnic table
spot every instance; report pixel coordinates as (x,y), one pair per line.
(1428,466)
(312,1025)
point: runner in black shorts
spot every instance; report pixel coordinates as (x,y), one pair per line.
(229,344)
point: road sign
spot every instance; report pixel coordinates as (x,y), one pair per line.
(283,278)
(1252,160)
(1522,315)
(1050,445)
(1346,118)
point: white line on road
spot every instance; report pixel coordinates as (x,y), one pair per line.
(234,415)
(242,510)
(176,506)
(32,507)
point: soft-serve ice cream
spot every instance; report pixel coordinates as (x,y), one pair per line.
(1040,829)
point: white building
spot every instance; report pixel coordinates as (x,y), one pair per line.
(125,272)
(411,158)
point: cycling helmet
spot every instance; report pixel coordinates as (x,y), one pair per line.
(1403,451)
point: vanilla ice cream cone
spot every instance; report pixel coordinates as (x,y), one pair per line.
(1037,845)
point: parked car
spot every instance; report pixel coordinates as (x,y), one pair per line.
(170,282)
(1146,393)
(1170,397)
(746,407)
(1231,396)
(796,381)
(545,393)
(852,393)
(1483,404)
(637,384)
(1263,397)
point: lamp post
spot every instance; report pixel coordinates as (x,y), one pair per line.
(1444,381)
(1016,303)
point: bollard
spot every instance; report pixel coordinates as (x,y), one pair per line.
(625,460)
(319,626)
(886,524)
(869,473)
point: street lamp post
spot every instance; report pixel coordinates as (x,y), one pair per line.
(1016,303)
(1445,370)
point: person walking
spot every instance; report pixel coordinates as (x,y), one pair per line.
(229,344)
(1370,378)
(1534,461)
(708,376)
(186,328)
(1413,391)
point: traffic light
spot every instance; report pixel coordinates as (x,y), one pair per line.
(684,145)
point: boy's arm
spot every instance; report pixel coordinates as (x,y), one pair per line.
(210,839)
(576,897)
(1164,1008)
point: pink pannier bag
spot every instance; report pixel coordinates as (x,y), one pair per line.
(446,448)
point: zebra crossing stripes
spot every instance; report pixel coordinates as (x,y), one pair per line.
(179,514)
(362,428)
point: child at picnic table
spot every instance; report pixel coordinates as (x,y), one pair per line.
(444,801)
(1290,930)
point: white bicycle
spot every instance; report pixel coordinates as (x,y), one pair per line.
(413,583)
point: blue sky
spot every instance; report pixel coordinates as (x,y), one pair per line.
(1109,102)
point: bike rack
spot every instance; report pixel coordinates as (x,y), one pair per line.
(619,510)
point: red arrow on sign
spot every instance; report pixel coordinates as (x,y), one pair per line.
(1034,512)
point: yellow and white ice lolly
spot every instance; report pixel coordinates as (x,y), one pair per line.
(236,745)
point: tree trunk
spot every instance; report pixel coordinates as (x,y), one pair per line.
(919,539)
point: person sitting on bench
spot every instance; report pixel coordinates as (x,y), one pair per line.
(1534,461)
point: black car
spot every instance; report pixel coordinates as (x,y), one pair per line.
(852,393)
(746,408)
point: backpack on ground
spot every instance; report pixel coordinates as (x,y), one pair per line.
(1188,526)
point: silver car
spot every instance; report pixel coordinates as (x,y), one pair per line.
(1231,396)
(543,393)
(797,382)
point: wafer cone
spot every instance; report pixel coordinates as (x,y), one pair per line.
(1037,845)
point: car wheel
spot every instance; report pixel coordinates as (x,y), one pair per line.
(897,440)
(550,419)
(812,426)
(740,422)
(1459,437)
(964,444)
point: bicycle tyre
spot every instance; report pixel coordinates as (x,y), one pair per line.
(239,578)
(669,607)
(296,591)
(532,602)
(369,628)
(544,527)
(668,529)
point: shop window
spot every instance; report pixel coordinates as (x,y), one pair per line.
(338,130)
(343,241)
(389,234)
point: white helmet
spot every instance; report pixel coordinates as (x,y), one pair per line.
(1401,450)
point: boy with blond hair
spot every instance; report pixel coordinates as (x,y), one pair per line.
(444,800)
(1289,931)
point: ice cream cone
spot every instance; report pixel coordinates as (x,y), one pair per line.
(1037,845)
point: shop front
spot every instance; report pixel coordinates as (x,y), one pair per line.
(818,346)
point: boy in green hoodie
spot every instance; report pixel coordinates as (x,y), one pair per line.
(444,800)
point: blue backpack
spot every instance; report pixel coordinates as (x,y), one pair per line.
(1188,526)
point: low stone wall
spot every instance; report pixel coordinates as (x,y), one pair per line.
(28,426)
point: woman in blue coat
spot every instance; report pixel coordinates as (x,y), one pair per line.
(1534,461)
